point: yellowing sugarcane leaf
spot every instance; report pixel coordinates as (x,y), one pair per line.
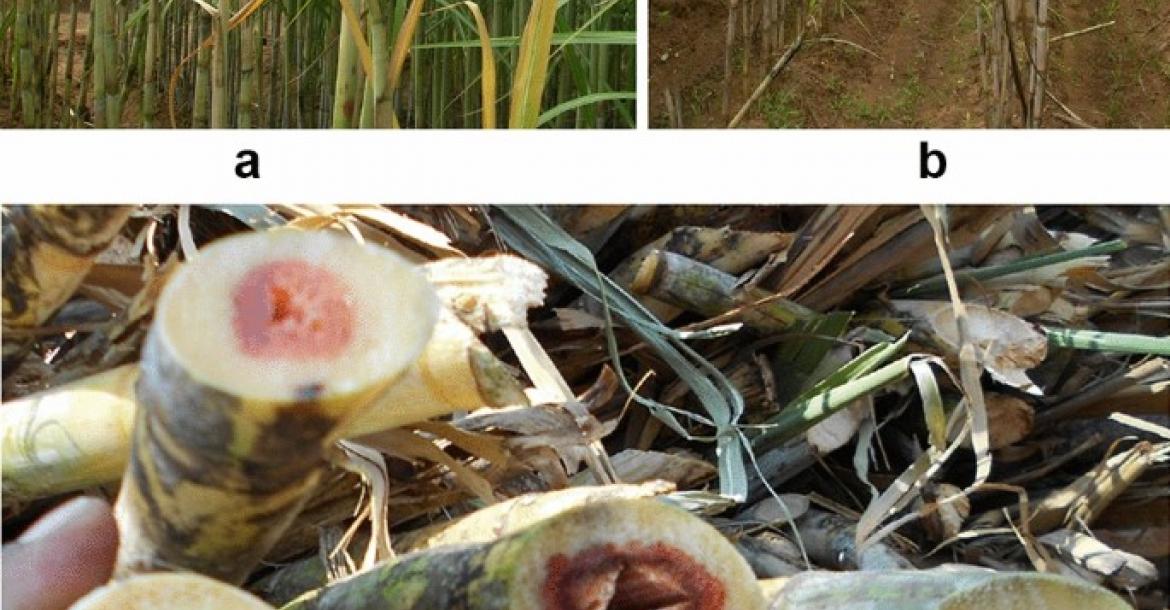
(488,67)
(532,65)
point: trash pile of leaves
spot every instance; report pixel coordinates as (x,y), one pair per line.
(844,388)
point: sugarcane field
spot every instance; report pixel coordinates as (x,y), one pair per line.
(910,63)
(619,407)
(317,64)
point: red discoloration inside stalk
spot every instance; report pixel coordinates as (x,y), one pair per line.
(631,577)
(292,310)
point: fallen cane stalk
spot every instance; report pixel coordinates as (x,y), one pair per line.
(262,348)
(179,591)
(621,555)
(938,589)
(772,74)
(681,281)
(78,435)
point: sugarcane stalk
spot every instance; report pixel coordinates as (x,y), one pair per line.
(376,106)
(515,514)
(107,110)
(1039,64)
(201,104)
(150,65)
(251,64)
(725,249)
(618,554)
(26,69)
(47,252)
(937,589)
(262,348)
(706,290)
(184,591)
(482,526)
(219,65)
(71,438)
(67,96)
(53,52)
(1083,500)
(78,435)
(763,86)
(831,541)
(344,103)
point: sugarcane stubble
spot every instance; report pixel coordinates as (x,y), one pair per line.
(262,348)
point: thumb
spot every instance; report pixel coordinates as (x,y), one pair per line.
(67,553)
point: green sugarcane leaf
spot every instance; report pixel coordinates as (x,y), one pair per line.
(584,100)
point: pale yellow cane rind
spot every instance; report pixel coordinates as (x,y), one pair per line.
(173,591)
(1031,591)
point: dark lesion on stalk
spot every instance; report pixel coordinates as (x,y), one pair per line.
(202,425)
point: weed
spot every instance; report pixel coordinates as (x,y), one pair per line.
(781,110)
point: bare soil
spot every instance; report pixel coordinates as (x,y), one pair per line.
(909,63)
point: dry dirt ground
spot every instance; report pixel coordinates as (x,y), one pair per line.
(927,71)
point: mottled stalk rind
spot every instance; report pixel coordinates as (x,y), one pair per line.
(214,479)
(454,578)
(511,573)
(47,251)
(960,589)
(703,289)
(482,526)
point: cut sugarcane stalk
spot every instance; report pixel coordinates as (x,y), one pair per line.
(47,252)
(68,438)
(262,348)
(724,249)
(455,372)
(78,435)
(484,525)
(178,591)
(635,554)
(703,289)
(937,589)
